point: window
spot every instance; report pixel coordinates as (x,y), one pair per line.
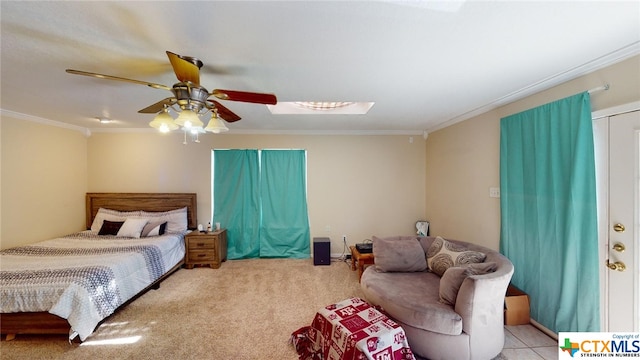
(259,196)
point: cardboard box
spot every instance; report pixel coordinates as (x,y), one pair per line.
(516,307)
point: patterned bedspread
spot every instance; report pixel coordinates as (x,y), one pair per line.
(83,277)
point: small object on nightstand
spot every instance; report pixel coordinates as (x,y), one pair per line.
(365,248)
(422,227)
(209,227)
(208,249)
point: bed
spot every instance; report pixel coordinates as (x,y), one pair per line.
(69,285)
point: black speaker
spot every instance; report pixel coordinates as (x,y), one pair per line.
(321,251)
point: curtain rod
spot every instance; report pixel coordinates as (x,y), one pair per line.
(599,88)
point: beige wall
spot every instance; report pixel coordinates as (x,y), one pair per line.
(462,164)
(358,185)
(463,160)
(1,182)
(44,181)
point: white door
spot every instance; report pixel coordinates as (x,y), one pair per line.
(619,214)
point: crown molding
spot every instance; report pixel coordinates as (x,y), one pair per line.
(609,59)
(277,132)
(324,132)
(88,131)
(20,116)
(125,130)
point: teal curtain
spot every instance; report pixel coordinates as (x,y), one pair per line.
(284,230)
(237,200)
(548,211)
(260,198)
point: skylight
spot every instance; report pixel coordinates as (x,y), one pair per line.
(320,108)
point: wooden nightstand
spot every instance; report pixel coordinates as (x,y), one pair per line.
(361,260)
(205,248)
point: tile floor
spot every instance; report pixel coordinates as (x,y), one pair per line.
(525,342)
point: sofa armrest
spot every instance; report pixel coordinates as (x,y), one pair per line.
(480,303)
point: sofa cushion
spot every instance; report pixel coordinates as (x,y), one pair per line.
(443,254)
(412,298)
(454,276)
(392,254)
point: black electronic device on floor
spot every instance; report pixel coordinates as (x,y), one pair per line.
(321,251)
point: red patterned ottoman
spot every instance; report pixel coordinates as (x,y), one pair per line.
(351,330)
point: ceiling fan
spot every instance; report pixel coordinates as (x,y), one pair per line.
(192,99)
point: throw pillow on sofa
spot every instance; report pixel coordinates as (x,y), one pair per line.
(453,278)
(392,254)
(443,254)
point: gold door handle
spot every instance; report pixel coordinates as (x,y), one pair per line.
(619,247)
(618,228)
(618,265)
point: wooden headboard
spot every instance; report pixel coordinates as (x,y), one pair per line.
(142,201)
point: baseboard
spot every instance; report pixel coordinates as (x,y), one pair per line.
(543,329)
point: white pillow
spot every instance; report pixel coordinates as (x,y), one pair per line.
(154,229)
(111,215)
(176,219)
(132,227)
(443,254)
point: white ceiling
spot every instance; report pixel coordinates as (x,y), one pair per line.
(425,64)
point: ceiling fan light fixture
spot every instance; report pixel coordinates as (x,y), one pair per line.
(188,118)
(216,125)
(163,122)
(191,101)
(196,130)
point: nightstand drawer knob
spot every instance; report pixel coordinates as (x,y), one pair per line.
(202,255)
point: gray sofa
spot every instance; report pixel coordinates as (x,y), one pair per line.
(448,295)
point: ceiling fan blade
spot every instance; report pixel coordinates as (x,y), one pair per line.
(157,107)
(244,96)
(226,114)
(110,77)
(186,68)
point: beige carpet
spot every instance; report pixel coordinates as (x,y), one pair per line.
(247,309)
